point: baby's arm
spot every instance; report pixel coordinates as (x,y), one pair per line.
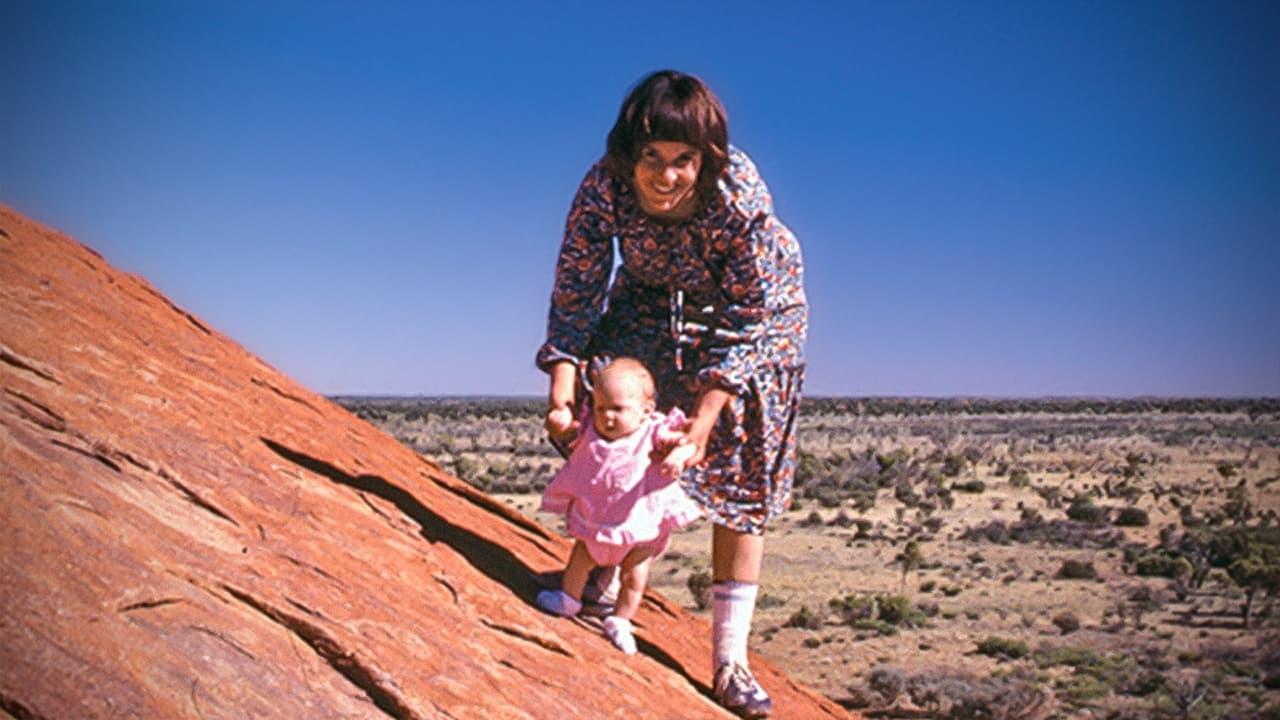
(678,459)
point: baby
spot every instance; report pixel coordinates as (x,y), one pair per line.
(620,507)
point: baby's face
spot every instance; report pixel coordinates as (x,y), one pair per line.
(620,405)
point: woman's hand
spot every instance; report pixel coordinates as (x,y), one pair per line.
(681,456)
(690,448)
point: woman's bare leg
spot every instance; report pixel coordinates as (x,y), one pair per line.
(735,556)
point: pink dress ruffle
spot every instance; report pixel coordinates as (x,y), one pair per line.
(611,493)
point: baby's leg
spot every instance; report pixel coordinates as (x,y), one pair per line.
(635,576)
(567,600)
(602,586)
(577,571)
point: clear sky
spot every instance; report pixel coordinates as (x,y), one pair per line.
(1023,198)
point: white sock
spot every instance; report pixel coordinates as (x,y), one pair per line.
(731,607)
(618,630)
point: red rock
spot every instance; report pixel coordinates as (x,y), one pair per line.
(189,533)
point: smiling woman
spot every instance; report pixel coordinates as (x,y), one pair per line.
(665,176)
(709,296)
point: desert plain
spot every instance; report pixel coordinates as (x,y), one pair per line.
(979,558)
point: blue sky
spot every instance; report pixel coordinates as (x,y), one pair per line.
(993,199)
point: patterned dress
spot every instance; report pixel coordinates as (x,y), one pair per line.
(716,300)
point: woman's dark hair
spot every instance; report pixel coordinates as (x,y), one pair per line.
(670,106)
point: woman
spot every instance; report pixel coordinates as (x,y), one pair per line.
(709,295)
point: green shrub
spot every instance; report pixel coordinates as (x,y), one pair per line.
(842,519)
(1120,674)
(1081,689)
(911,558)
(828,497)
(467,468)
(1259,570)
(1162,564)
(1003,648)
(1077,570)
(897,457)
(879,627)
(894,610)
(1083,510)
(898,610)
(1075,657)
(952,465)
(700,588)
(1052,496)
(1132,517)
(863,501)
(853,608)
(813,519)
(905,494)
(1066,622)
(807,467)
(768,601)
(804,618)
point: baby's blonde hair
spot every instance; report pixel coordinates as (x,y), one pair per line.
(631,367)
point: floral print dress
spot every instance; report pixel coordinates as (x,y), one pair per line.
(716,300)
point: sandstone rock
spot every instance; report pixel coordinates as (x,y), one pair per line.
(187,533)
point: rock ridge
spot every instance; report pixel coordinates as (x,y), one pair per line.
(188,533)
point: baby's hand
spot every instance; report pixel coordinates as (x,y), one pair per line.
(678,459)
(559,420)
(562,429)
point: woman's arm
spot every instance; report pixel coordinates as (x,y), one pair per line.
(710,403)
(559,422)
(582,274)
(764,315)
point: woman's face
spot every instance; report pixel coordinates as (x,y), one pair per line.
(666,178)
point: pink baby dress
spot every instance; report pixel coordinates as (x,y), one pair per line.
(614,497)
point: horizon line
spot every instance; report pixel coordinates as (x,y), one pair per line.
(823,396)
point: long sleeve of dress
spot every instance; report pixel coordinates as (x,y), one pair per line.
(765,317)
(582,272)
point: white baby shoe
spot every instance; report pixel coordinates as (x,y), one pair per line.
(618,630)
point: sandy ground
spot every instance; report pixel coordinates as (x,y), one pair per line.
(1008,591)
(1161,459)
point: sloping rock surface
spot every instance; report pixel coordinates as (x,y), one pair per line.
(187,533)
